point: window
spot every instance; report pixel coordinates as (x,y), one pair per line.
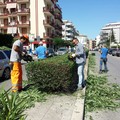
(23,6)
(23,19)
(2,56)
(24,30)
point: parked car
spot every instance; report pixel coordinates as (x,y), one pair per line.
(114,52)
(7,52)
(110,50)
(51,52)
(118,53)
(5,68)
(62,51)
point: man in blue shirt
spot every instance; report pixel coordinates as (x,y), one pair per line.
(41,51)
(103,58)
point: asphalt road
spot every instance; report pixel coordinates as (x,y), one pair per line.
(113,67)
(6,84)
(113,77)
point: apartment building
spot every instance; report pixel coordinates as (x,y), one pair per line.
(92,44)
(42,18)
(107,30)
(68,30)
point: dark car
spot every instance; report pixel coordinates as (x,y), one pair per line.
(51,52)
(8,53)
(118,53)
(114,52)
(110,50)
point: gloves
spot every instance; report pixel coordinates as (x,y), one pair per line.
(73,55)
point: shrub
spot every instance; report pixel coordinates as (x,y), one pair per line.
(53,74)
(11,106)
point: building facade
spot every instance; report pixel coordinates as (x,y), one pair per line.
(68,30)
(42,18)
(92,44)
(106,32)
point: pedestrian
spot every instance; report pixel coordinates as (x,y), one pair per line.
(69,49)
(80,61)
(41,51)
(15,61)
(103,58)
(30,50)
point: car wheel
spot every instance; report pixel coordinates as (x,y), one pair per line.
(6,74)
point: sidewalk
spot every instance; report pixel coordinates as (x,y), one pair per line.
(60,107)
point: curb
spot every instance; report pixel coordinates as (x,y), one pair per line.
(78,112)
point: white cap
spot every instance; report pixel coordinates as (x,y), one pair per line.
(40,43)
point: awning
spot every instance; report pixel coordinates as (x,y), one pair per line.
(11,30)
(35,42)
(11,5)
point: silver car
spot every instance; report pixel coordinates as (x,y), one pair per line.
(62,51)
(4,65)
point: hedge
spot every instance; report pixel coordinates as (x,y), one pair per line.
(53,74)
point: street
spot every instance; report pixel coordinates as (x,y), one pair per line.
(113,77)
(6,84)
(113,67)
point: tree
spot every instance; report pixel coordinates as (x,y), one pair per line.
(6,40)
(112,37)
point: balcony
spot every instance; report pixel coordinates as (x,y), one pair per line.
(48,35)
(58,16)
(57,7)
(11,1)
(3,26)
(23,11)
(4,15)
(49,1)
(23,23)
(48,11)
(59,27)
(2,4)
(22,1)
(48,23)
(69,34)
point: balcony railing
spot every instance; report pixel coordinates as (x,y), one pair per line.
(48,10)
(49,23)
(50,1)
(2,25)
(21,1)
(11,1)
(58,7)
(23,22)
(48,35)
(58,17)
(4,13)
(24,10)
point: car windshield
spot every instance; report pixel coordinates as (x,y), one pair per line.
(50,50)
(62,49)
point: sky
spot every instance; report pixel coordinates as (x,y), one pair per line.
(89,16)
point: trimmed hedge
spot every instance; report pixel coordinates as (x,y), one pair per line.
(53,74)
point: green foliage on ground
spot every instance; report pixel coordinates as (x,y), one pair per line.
(53,74)
(99,94)
(13,105)
(91,63)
